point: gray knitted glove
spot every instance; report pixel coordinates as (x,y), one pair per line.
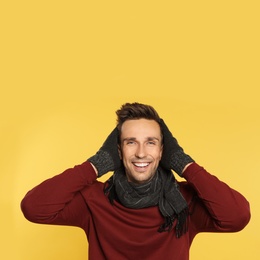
(107,158)
(173,156)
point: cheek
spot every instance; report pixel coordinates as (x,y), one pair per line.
(159,153)
(125,153)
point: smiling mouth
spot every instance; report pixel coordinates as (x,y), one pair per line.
(141,165)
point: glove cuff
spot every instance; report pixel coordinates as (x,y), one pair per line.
(102,161)
(179,160)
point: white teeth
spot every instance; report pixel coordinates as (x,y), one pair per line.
(141,164)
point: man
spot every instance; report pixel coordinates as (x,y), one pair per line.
(141,212)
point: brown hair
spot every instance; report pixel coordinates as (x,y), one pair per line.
(130,111)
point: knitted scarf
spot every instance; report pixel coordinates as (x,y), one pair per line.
(162,191)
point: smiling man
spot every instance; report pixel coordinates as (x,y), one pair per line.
(141,211)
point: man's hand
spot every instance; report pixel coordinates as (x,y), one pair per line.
(107,158)
(173,156)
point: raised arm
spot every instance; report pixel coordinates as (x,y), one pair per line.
(219,208)
(58,200)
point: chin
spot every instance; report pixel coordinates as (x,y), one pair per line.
(143,180)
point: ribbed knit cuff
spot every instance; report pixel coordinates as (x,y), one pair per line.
(179,160)
(102,161)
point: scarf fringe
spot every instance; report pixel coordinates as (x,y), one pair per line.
(181,225)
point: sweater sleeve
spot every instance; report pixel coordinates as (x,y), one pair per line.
(220,208)
(58,200)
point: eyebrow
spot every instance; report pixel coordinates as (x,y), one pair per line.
(134,139)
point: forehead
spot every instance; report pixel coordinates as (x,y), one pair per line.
(140,128)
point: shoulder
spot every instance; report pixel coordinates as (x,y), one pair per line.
(94,189)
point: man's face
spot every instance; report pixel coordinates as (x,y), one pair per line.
(140,149)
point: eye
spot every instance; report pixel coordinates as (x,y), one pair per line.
(151,143)
(130,142)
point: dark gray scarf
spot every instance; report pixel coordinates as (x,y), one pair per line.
(162,190)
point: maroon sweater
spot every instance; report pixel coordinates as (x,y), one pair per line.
(76,198)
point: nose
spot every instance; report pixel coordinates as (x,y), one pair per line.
(140,151)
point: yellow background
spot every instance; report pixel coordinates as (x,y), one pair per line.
(66,66)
